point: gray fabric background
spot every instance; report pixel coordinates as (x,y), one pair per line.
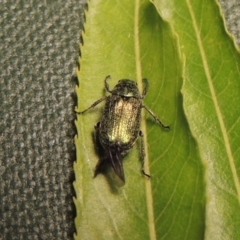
(38,55)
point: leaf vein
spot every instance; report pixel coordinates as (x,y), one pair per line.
(215,102)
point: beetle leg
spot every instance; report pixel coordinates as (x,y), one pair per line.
(106,84)
(97,126)
(156,118)
(115,160)
(102,162)
(92,106)
(145,81)
(101,165)
(142,154)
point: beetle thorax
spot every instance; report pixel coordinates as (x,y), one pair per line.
(126,88)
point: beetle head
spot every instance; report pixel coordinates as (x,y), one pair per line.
(126,88)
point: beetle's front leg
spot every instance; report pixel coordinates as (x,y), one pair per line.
(106,83)
(92,106)
(142,154)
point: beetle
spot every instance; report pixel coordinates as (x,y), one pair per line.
(119,127)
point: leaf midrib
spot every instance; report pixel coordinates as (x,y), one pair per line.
(149,197)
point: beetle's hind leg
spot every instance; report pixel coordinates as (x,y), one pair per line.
(102,164)
(142,154)
(100,167)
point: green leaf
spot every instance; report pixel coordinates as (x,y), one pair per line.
(211,96)
(128,39)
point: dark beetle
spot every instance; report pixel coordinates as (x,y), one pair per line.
(120,125)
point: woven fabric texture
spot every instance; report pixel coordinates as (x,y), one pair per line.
(38,54)
(39,49)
